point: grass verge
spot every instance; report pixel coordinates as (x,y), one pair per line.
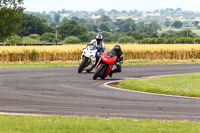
(181,85)
(160,62)
(38,64)
(59,124)
(76,63)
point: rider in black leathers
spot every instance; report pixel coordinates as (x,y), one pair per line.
(117,50)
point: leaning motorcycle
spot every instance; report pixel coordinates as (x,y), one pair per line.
(88,59)
(105,65)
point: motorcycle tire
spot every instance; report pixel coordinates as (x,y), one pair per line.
(82,65)
(102,77)
(88,71)
(98,71)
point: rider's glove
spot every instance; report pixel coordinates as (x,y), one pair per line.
(98,54)
(119,63)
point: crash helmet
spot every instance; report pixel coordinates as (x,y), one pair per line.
(117,49)
(99,39)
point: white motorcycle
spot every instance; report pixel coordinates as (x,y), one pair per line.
(88,59)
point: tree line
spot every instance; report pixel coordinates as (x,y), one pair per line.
(36,30)
(19,27)
(160,16)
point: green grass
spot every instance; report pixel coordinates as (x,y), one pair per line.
(17,65)
(59,124)
(63,64)
(161,62)
(182,85)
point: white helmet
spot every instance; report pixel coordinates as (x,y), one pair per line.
(99,38)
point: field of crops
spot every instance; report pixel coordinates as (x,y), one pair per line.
(73,52)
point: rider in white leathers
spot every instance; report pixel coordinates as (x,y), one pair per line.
(98,42)
(100,45)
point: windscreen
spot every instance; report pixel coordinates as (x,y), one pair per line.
(91,47)
(111,53)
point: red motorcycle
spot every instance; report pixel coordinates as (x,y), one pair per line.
(105,64)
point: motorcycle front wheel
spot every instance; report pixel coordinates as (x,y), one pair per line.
(98,71)
(82,65)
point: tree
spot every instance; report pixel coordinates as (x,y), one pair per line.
(136,35)
(50,37)
(14,39)
(95,28)
(126,39)
(169,34)
(103,27)
(71,28)
(103,19)
(91,27)
(105,34)
(154,27)
(65,19)
(141,27)
(130,20)
(29,40)
(47,17)
(118,22)
(177,24)
(56,19)
(100,12)
(127,27)
(186,33)
(114,11)
(34,25)
(72,40)
(10,17)
(107,40)
(81,20)
(35,36)
(75,19)
(179,10)
(123,12)
(196,23)
(167,23)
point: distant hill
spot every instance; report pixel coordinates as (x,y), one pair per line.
(159,16)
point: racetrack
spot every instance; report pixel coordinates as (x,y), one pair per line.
(62,91)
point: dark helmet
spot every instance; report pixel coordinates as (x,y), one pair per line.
(99,38)
(117,49)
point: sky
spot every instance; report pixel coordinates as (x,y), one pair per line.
(93,5)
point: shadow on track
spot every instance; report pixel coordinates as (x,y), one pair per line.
(108,79)
(87,73)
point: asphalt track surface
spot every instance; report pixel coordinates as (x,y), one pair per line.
(62,91)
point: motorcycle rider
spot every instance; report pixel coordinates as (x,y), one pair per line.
(98,42)
(100,45)
(118,52)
